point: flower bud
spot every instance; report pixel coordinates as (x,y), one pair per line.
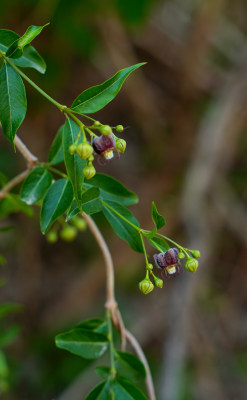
(120,145)
(181,255)
(146,286)
(84,150)
(158,282)
(149,267)
(72,149)
(196,253)
(91,158)
(191,264)
(89,171)
(68,233)
(51,237)
(106,130)
(96,124)
(119,128)
(79,223)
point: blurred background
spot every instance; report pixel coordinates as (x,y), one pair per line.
(186,149)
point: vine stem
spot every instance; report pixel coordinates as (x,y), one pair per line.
(111,304)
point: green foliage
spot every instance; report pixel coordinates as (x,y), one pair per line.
(97,97)
(83,342)
(158,220)
(36,185)
(100,392)
(13,204)
(74,164)
(90,201)
(122,222)
(13,104)
(57,200)
(129,366)
(30,57)
(125,390)
(56,153)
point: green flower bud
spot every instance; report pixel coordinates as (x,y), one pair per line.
(119,128)
(79,223)
(196,253)
(181,255)
(51,237)
(72,149)
(191,264)
(84,150)
(68,233)
(149,267)
(158,282)
(120,145)
(96,124)
(91,158)
(146,286)
(106,130)
(89,171)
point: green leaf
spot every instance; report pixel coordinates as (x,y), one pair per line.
(57,200)
(102,371)
(101,392)
(30,58)
(72,211)
(95,324)
(97,97)
(113,212)
(83,342)
(16,48)
(158,220)
(124,390)
(9,308)
(74,164)
(129,366)
(12,204)
(90,201)
(13,104)
(36,185)
(111,189)
(161,244)
(56,155)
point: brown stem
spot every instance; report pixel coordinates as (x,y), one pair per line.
(29,157)
(111,304)
(13,182)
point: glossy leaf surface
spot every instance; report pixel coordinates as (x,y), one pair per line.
(129,366)
(56,154)
(57,200)
(101,392)
(158,220)
(125,390)
(13,104)
(97,97)
(36,185)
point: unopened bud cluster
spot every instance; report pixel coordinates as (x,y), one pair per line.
(104,146)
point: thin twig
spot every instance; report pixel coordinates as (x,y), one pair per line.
(13,182)
(29,157)
(112,304)
(139,352)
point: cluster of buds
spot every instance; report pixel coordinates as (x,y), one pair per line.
(68,232)
(170,264)
(104,146)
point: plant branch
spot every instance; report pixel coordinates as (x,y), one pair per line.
(13,182)
(26,153)
(111,304)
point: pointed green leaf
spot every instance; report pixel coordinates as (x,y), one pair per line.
(97,97)
(13,104)
(95,324)
(129,366)
(56,155)
(102,371)
(72,211)
(57,200)
(101,392)
(74,164)
(113,212)
(111,189)
(30,57)
(90,201)
(16,48)
(124,390)
(83,342)
(36,185)
(158,220)
(159,243)
(12,204)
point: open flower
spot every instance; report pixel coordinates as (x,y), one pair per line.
(169,263)
(105,147)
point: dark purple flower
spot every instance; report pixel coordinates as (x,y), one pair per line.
(105,146)
(168,262)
